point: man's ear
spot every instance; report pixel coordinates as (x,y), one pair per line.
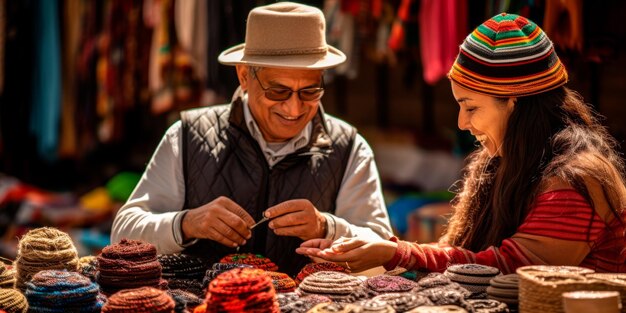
(242,75)
(511,104)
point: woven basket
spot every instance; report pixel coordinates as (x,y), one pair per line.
(541,288)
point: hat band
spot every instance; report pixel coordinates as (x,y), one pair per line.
(277,52)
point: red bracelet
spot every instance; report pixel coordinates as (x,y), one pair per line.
(391,264)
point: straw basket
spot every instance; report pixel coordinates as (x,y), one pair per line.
(541,287)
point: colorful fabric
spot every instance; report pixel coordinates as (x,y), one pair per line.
(255,260)
(508,56)
(139,300)
(318,267)
(556,215)
(12,300)
(61,291)
(128,264)
(242,290)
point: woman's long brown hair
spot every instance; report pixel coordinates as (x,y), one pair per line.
(553,134)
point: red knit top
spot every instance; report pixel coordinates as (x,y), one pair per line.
(561,229)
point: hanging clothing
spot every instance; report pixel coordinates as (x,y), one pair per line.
(563,22)
(46,84)
(443,26)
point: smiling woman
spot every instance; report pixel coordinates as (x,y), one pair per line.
(546,186)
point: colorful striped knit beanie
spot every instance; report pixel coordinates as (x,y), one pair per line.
(139,300)
(255,260)
(44,248)
(508,56)
(241,290)
(129,264)
(61,291)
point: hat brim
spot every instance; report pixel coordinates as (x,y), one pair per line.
(235,56)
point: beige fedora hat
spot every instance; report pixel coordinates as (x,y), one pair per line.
(285,35)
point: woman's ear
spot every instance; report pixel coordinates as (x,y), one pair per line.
(242,75)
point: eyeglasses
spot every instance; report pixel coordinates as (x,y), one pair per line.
(283,94)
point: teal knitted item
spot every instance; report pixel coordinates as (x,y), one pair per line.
(62,291)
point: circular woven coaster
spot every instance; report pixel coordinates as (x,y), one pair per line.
(469,279)
(433,280)
(502,292)
(387,283)
(403,301)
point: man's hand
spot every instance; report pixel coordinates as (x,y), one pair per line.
(220,220)
(297,218)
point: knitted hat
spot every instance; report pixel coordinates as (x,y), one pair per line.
(335,307)
(242,290)
(61,291)
(7,276)
(12,300)
(44,248)
(291,302)
(255,260)
(488,306)
(504,288)
(473,277)
(335,285)
(403,301)
(129,264)
(139,300)
(386,283)
(282,282)
(318,267)
(376,306)
(183,266)
(508,56)
(219,268)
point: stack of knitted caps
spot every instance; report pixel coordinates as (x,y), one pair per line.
(311,268)
(441,291)
(184,272)
(219,268)
(505,288)
(7,276)
(291,302)
(41,249)
(340,287)
(473,277)
(139,300)
(60,291)
(129,264)
(13,301)
(256,260)
(241,290)
(282,282)
(386,284)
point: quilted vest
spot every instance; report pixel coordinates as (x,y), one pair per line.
(221,158)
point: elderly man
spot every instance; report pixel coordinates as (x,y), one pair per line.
(271,152)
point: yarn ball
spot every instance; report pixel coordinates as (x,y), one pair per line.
(319,267)
(139,300)
(242,290)
(60,291)
(44,248)
(128,264)
(255,260)
(13,301)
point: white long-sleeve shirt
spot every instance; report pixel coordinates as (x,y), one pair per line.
(153,211)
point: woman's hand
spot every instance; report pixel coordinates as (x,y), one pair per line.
(354,253)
